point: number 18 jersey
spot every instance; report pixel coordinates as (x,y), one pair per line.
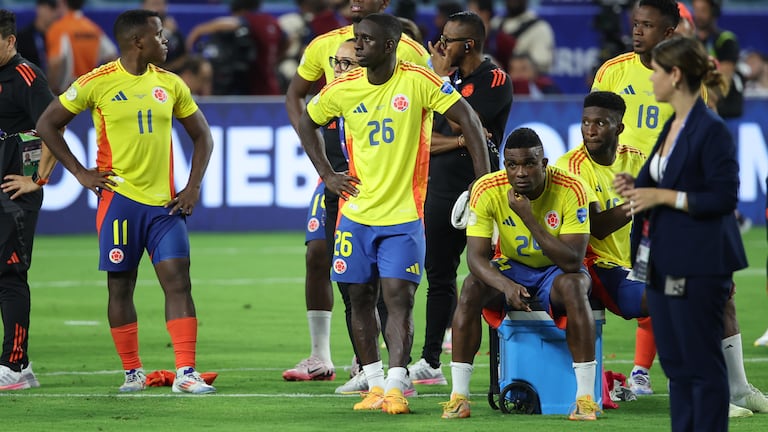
(133,117)
(626,76)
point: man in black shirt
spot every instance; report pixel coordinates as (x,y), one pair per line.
(24,95)
(488,89)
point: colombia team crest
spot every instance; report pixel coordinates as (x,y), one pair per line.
(400,102)
(552,219)
(313,224)
(116,256)
(339,266)
(160,94)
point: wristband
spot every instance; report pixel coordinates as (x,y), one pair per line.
(680,201)
(39,180)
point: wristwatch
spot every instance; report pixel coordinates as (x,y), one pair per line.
(39,180)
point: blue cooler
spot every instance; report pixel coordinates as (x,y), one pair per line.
(533,353)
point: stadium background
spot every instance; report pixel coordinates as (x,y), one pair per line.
(260,179)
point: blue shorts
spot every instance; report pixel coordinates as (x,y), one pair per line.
(363,253)
(538,281)
(126,228)
(620,295)
(315,228)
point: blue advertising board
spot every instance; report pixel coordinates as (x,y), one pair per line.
(259,178)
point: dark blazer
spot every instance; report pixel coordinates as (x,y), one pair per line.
(706,239)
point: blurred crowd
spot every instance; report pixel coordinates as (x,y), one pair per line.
(251,52)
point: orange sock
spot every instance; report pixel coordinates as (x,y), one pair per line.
(183,333)
(645,343)
(126,340)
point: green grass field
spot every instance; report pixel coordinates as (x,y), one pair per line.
(250,302)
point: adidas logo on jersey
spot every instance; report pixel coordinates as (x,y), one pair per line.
(119,97)
(509,221)
(628,90)
(360,109)
(414,269)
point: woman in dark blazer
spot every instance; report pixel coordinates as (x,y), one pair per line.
(685,240)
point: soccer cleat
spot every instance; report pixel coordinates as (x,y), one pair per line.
(640,382)
(755,401)
(135,380)
(357,384)
(372,400)
(311,369)
(29,376)
(585,409)
(189,381)
(762,340)
(395,402)
(457,407)
(737,411)
(11,380)
(422,373)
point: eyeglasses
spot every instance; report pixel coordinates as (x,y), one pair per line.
(444,40)
(343,64)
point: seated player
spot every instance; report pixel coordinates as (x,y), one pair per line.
(543,222)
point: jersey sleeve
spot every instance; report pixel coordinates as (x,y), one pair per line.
(492,96)
(185,105)
(322,108)
(77,98)
(441,95)
(39,95)
(481,215)
(575,211)
(603,78)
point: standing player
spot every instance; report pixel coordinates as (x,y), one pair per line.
(596,162)
(317,284)
(133,103)
(488,91)
(314,66)
(387,107)
(629,76)
(543,222)
(23,98)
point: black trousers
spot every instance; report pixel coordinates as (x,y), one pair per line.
(331,214)
(689,332)
(445,245)
(17,231)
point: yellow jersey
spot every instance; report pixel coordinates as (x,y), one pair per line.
(613,250)
(314,62)
(388,131)
(133,116)
(561,209)
(626,76)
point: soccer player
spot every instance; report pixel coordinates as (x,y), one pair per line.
(387,107)
(488,90)
(314,66)
(596,162)
(317,283)
(543,221)
(133,103)
(23,98)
